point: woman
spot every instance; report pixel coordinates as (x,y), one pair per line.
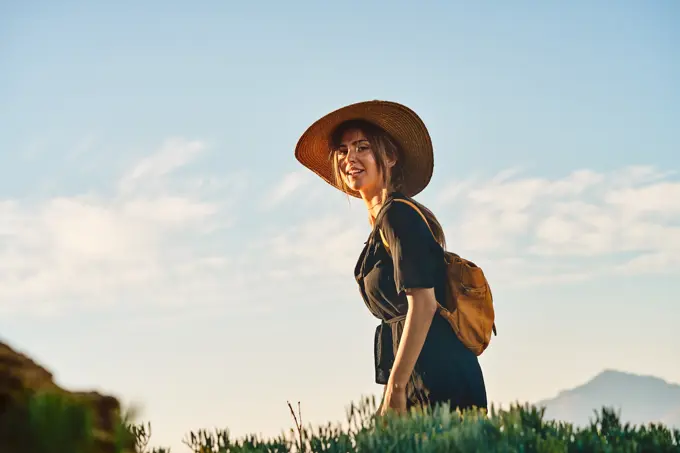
(381,151)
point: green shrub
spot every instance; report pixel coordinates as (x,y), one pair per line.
(56,423)
(518,429)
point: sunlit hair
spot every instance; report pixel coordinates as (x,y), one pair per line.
(384,148)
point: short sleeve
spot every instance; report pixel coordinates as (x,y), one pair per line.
(412,247)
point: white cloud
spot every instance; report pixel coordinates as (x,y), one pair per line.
(153,238)
(149,171)
(144,240)
(522,230)
(577,219)
(324,245)
(660,198)
(290,184)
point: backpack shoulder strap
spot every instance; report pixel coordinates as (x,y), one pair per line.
(401,200)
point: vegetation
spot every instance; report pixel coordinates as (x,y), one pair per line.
(55,423)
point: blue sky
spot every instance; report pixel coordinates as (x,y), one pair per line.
(159,241)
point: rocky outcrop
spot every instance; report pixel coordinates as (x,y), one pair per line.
(21,379)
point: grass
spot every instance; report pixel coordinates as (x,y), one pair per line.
(56,423)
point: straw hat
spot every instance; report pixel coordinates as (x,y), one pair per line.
(403,124)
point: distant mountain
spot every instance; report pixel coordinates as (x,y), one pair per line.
(637,398)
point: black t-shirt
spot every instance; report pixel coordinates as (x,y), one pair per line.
(414,260)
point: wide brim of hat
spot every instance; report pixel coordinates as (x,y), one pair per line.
(403,124)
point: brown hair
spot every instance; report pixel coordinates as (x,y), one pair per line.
(383,147)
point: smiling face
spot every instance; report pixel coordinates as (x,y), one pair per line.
(363,158)
(357,164)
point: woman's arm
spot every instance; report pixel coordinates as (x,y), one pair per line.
(422,307)
(415,255)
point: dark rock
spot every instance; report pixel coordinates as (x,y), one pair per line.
(22,378)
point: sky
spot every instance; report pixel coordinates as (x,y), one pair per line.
(159,241)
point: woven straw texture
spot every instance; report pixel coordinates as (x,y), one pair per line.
(402,123)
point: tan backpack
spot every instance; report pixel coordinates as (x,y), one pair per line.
(469,303)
